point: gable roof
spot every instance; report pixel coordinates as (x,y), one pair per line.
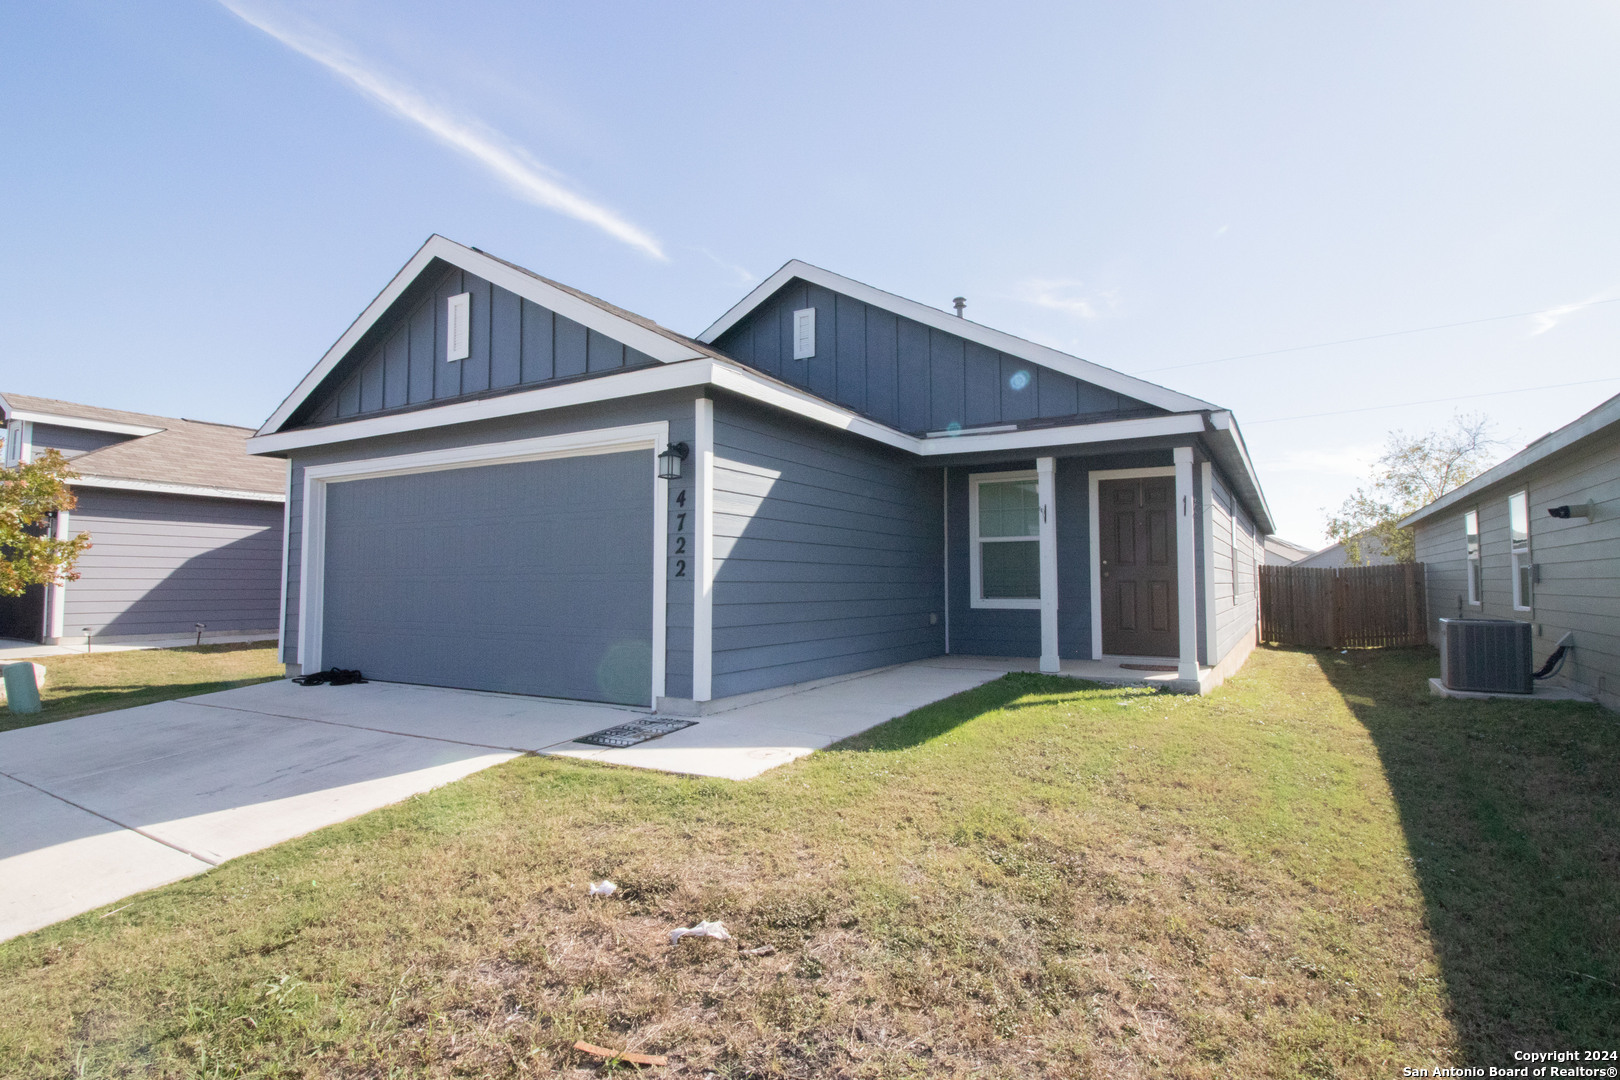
(642,334)
(1604,416)
(1001,341)
(168,454)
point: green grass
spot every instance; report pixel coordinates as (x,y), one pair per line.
(1316,871)
(98,682)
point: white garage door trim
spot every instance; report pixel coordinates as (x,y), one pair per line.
(312,556)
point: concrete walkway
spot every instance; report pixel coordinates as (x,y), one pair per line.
(97,808)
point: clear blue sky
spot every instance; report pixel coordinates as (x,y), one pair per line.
(198,198)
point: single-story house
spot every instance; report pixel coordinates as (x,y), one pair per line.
(1537,539)
(499,482)
(185,527)
(1280,552)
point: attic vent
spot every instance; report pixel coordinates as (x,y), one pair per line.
(804,333)
(457,344)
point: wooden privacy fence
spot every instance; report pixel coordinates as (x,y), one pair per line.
(1343,607)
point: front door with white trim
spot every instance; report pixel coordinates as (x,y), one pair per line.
(1137,546)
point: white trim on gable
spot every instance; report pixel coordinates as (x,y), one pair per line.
(160,488)
(82,424)
(666,348)
(1001,341)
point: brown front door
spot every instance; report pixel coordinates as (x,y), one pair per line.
(1138,552)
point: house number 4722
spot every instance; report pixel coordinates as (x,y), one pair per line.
(679,540)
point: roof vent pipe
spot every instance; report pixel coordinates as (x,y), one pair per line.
(960,302)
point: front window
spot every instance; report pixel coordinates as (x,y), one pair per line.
(1471,538)
(1519,530)
(1005,518)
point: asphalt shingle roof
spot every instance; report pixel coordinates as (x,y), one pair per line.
(191,452)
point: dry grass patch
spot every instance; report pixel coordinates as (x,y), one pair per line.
(100,682)
(1037,877)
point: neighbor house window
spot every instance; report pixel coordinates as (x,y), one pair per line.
(1004,516)
(1471,538)
(1519,528)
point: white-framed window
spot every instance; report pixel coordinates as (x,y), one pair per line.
(1004,527)
(1519,538)
(1471,540)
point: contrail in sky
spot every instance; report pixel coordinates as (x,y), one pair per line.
(509,162)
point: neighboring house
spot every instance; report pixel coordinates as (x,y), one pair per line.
(1372,554)
(1492,550)
(862,481)
(1280,552)
(185,527)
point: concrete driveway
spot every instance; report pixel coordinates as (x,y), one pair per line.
(100,807)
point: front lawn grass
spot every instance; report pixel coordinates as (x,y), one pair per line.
(1317,871)
(98,682)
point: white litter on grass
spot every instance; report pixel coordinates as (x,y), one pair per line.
(706,929)
(603,888)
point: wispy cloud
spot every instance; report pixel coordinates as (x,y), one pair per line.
(1222,230)
(501,157)
(1068,296)
(744,275)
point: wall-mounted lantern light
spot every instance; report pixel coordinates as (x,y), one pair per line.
(669,462)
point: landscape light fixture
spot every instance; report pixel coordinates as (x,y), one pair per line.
(669,462)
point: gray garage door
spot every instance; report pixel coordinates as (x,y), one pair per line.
(526,578)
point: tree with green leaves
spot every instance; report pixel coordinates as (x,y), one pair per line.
(29,552)
(1413,471)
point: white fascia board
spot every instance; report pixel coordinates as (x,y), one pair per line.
(665,349)
(1225,424)
(605,388)
(1084,370)
(57,420)
(1071,435)
(725,376)
(1599,418)
(202,491)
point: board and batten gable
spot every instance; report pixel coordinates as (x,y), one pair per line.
(1578,560)
(827,552)
(677,408)
(513,343)
(159,564)
(912,377)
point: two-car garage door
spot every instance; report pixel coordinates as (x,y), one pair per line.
(531,577)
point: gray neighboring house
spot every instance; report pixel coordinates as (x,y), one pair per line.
(475,495)
(185,527)
(1492,550)
(1280,552)
(1334,555)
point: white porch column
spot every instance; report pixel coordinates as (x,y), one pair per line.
(1046,493)
(1186,565)
(703,554)
(56,591)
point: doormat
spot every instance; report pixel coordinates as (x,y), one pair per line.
(636,731)
(1149,667)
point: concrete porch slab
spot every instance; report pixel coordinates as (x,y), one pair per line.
(1109,669)
(740,742)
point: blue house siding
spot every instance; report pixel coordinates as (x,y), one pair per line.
(827,552)
(513,344)
(907,375)
(72,441)
(159,564)
(677,408)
